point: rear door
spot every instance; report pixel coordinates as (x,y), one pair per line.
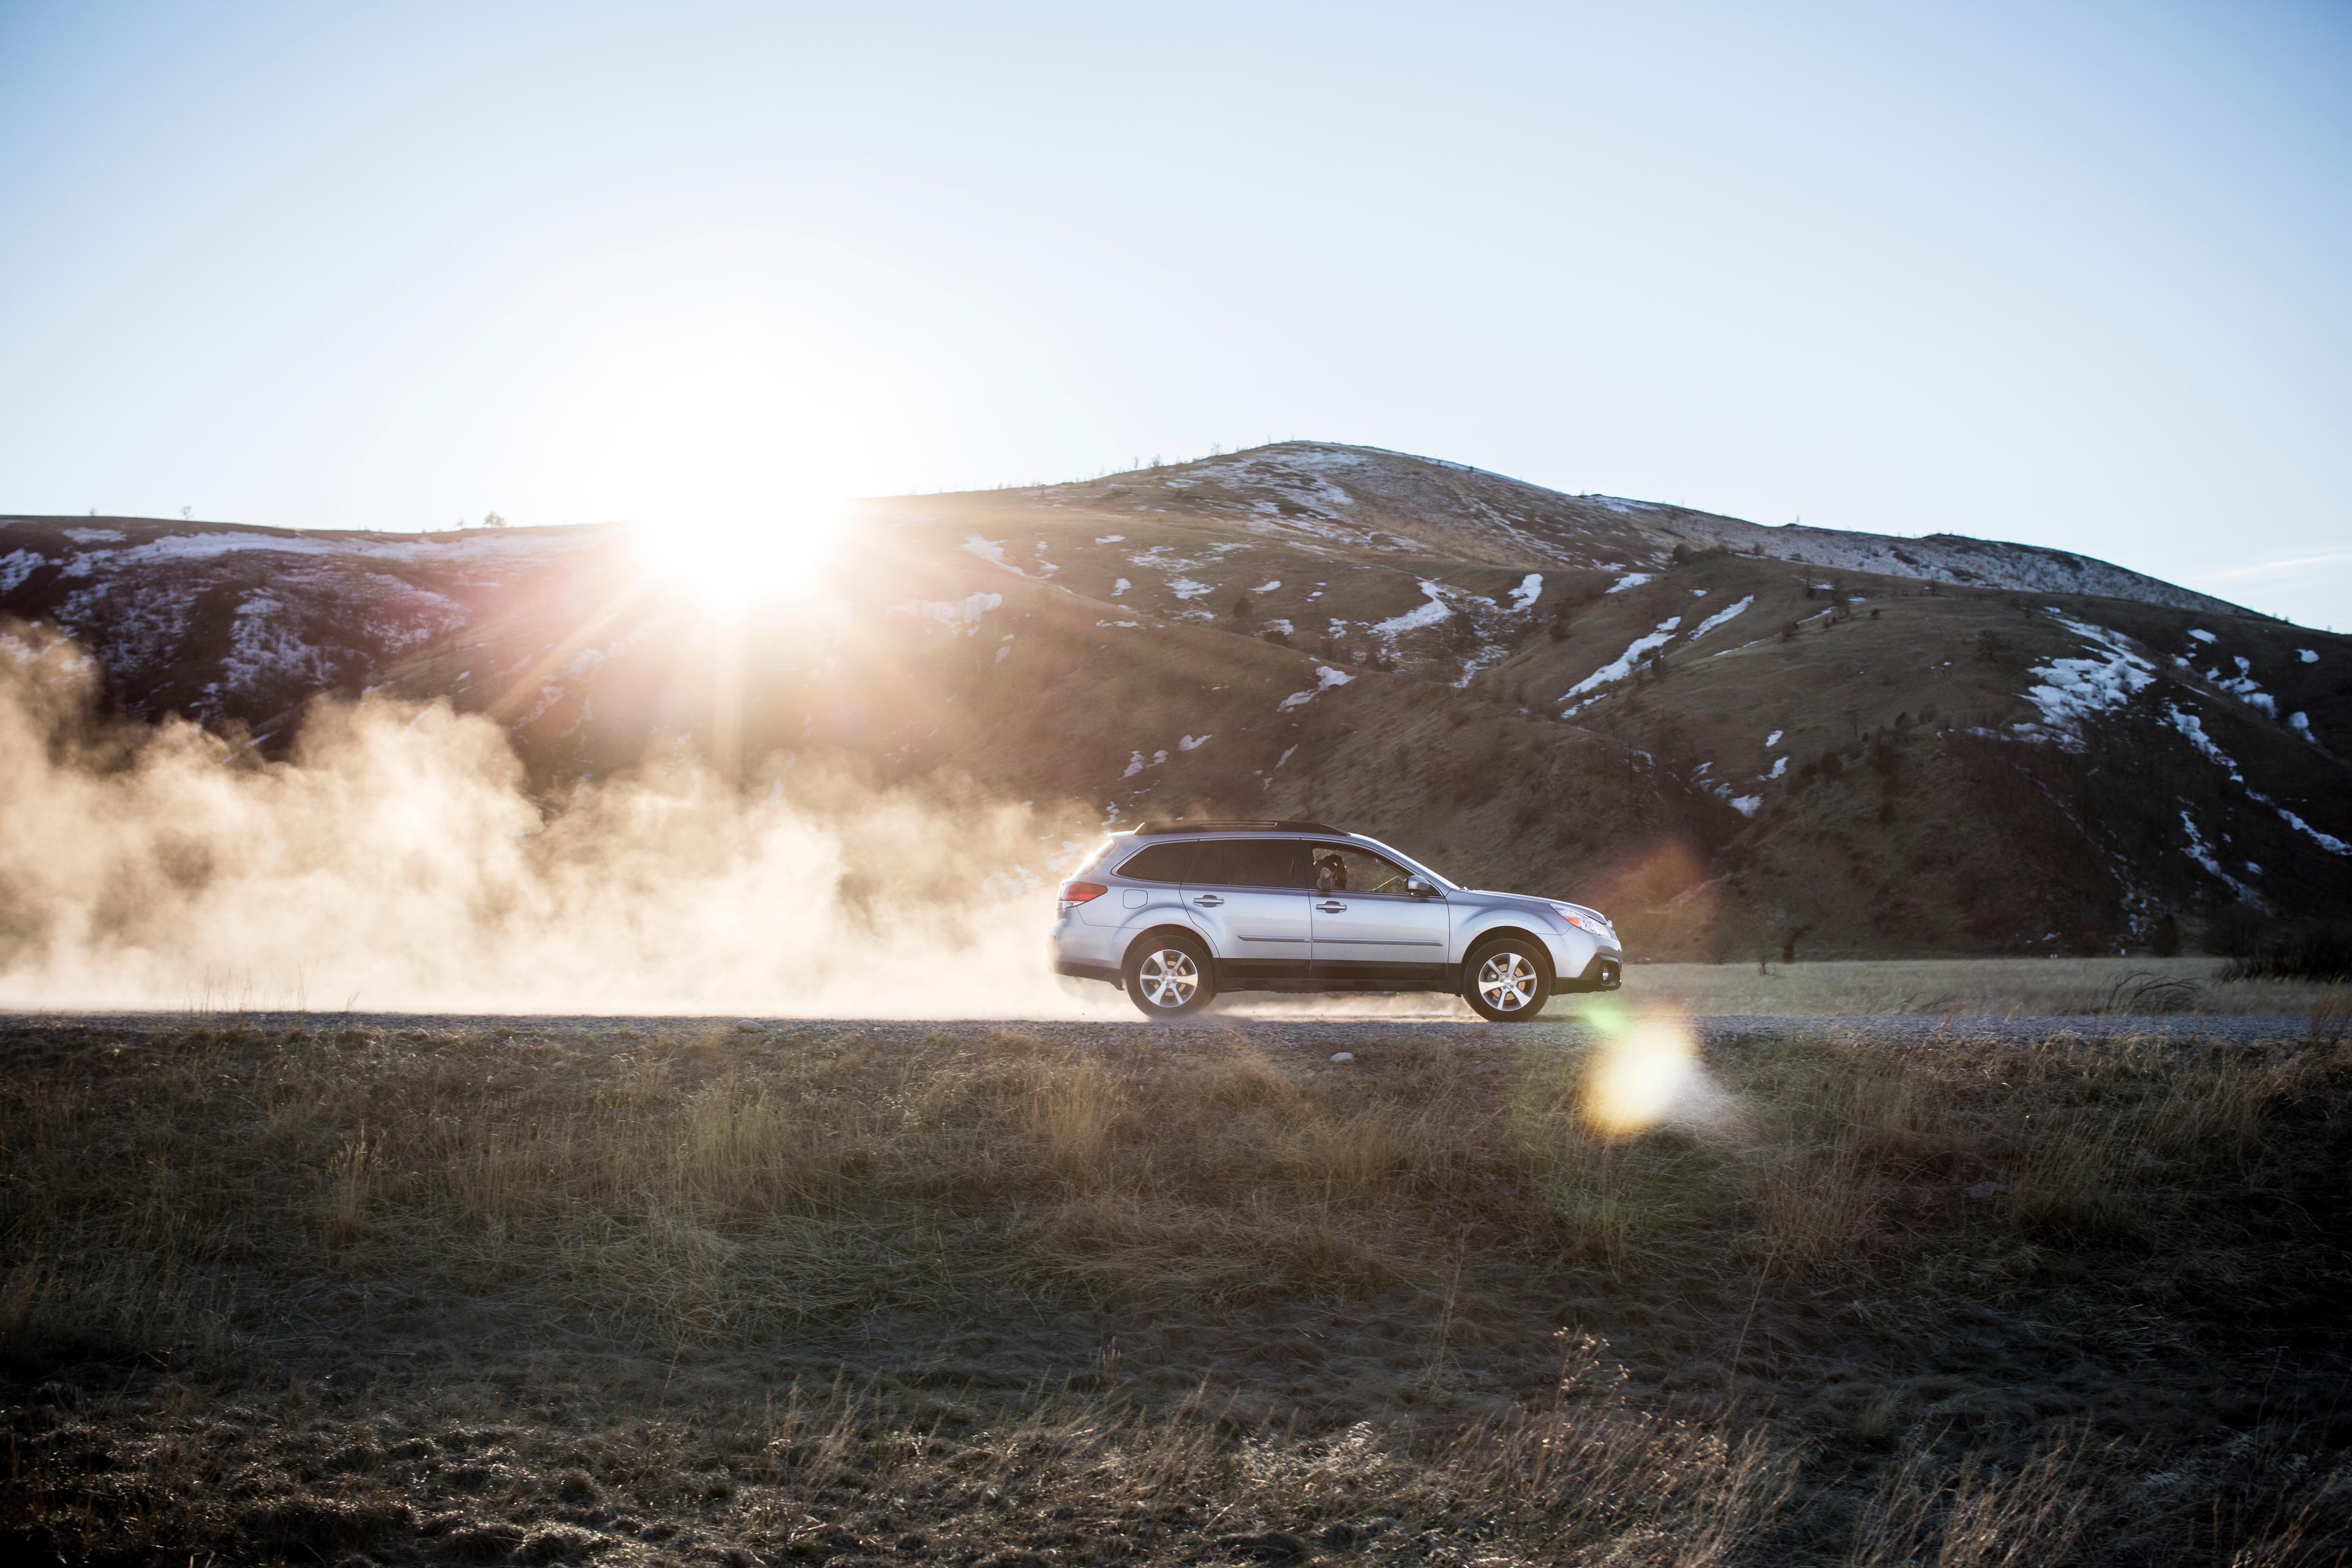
(1250,895)
(1368,930)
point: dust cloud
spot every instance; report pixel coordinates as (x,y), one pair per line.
(395,861)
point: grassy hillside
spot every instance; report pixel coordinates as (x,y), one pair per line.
(645,1292)
(1741,740)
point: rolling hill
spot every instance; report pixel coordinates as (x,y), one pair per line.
(1734,737)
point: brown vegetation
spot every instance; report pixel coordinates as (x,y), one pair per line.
(1074,1294)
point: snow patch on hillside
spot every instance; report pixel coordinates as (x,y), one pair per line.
(2244,686)
(2326,841)
(17,565)
(1428,615)
(2072,691)
(958,615)
(2198,852)
(1530,590)
(1950,558)
(988,550)
(265,649)
(1622,665)
(1326,678)
(1630,579)
(1728,613)
(2191,725)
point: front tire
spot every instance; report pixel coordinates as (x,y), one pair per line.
(1508,981)
(1168,976)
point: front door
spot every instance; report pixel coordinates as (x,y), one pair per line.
(1250,895)
(1368,930)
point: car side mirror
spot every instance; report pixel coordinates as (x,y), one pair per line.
(1419,889)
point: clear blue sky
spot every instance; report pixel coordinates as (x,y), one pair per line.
(2070,274)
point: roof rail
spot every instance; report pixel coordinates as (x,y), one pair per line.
(1150,828)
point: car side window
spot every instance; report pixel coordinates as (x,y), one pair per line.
(1344,868)
(1162,862)
(1252,863)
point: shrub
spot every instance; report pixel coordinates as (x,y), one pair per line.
(2237,930)
(2314,952)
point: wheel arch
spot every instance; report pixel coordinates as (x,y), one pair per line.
(1162,931)
(1488,935)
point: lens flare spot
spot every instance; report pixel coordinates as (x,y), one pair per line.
(1642,1067)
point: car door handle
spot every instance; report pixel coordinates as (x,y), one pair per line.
(1211,899)
(1331,907)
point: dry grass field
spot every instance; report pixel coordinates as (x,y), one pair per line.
(2023,988)
(768,1293)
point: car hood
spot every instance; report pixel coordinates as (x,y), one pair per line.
(1516,901)
(1533,904)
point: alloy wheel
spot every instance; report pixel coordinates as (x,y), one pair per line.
(1169,978)
(1508,981)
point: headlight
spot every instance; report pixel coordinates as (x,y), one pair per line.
(1592,925)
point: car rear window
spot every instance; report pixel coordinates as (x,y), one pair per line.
(1160,862)
(1252,863)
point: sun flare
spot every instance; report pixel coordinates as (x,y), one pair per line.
(1645,1064)
(743,560)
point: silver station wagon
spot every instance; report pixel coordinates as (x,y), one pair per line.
(1177,914)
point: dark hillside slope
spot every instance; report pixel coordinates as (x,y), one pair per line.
(1732,736)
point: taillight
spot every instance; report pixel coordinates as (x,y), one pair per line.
(1073,894)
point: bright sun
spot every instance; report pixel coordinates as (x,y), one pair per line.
(745,560)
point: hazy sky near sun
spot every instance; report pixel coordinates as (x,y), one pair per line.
(2069,274)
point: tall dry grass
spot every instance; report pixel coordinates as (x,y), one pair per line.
(1948,1303)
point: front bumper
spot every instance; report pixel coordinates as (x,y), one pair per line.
(1603,974)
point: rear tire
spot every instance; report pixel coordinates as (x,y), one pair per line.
(1168,976)
(1508,981)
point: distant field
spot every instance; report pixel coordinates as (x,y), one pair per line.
(2034,987)
(2011,987)
(689,1292)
